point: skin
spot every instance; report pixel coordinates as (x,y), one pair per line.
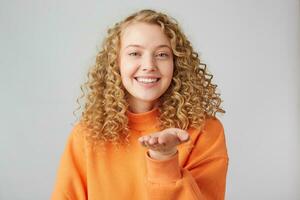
(146,51)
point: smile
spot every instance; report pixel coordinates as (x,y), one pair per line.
(147,82)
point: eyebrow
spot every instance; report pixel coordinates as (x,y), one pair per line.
(159,46)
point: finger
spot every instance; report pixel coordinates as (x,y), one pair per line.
(146,137)
(153,140)
(143,143)
(141,139)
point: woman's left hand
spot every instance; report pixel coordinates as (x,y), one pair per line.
(163,145)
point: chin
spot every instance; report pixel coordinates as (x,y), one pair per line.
(147,98)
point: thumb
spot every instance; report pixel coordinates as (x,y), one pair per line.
(183,136)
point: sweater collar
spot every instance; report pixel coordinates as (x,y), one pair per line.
(143,121)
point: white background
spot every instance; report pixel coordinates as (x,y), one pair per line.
(251,47)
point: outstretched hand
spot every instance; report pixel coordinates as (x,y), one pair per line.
(162,145)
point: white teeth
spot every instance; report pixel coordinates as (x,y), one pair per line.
(147,80)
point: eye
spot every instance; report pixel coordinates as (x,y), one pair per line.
(163,55)
(134,54)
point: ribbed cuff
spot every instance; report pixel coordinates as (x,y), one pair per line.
(163,171)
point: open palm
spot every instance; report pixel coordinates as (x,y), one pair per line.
(164,142)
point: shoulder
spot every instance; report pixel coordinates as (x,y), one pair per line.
(78,133)
(212,133)
(213,125)
(79,127)
(211,128)
(209,142)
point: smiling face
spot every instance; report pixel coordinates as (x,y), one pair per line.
(146,64)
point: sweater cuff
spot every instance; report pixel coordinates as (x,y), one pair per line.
(163,171)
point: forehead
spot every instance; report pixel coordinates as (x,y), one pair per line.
(143,34)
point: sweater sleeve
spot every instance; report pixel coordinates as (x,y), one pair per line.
(71,175)
(202,176)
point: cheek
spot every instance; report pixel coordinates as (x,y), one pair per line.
(127,71)
(168,71)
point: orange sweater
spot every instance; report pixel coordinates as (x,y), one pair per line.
(197,171)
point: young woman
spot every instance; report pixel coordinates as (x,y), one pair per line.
(148,129)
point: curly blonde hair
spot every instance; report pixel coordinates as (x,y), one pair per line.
(189,100)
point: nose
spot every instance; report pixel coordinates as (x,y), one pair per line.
(148,64)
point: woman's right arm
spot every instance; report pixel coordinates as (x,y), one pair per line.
(71,175)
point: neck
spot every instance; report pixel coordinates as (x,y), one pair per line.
(141,106)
